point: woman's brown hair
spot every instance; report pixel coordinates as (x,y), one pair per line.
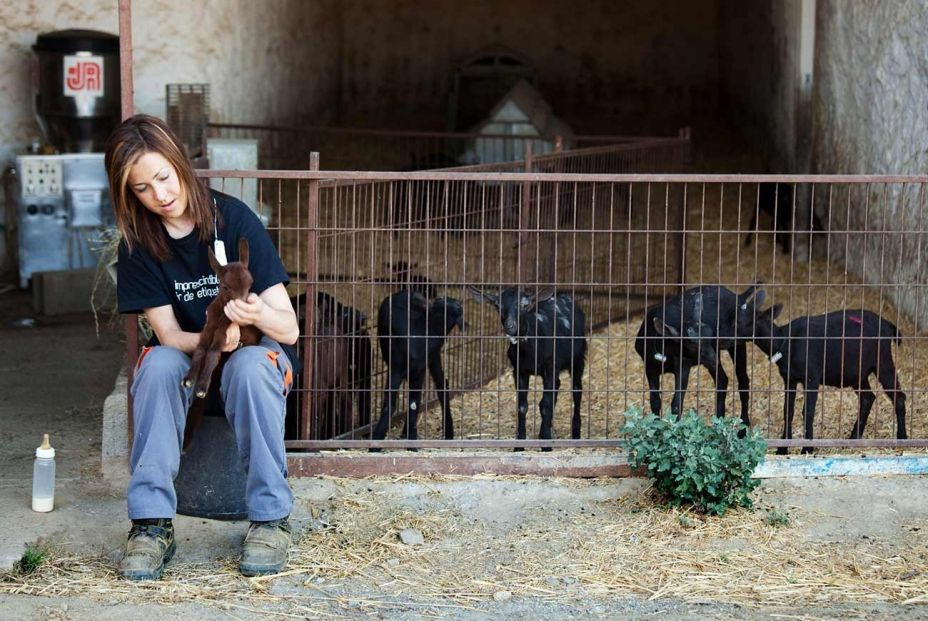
(136,136)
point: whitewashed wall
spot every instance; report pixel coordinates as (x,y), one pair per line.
(20,22)
(871,117)
(267,61)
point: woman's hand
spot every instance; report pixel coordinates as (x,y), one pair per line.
(270,311)
(245,312)
(233,338)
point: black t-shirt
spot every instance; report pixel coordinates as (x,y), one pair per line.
(185,280)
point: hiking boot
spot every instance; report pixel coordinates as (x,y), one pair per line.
(265,548)
(150,546)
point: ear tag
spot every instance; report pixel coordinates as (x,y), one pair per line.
(219,249)
(776,357)
(660,357)
(744,306)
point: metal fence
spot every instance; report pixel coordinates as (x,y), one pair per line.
(617,243)
(288,148)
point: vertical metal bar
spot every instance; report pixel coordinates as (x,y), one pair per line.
(525,207)
(681,240)
(125,59)
(127,109)
(312,277)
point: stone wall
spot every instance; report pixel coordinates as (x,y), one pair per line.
(870,117)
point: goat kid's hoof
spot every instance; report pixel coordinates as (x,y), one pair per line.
(518,449)
(201,394)
(374,450)
(186,382)
(807,450)
(782,450)
(546,449)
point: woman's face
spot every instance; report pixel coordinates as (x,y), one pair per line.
(156,184)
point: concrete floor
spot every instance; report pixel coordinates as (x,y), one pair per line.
(54,378)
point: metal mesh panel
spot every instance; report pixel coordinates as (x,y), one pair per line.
(618,250)
(188,114)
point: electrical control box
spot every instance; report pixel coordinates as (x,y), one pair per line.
(41,177)
(63,207)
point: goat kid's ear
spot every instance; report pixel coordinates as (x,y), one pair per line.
(213,262)
(243,251)
(482,296)
(754,291)
(545,293)
(531,300)
(665,329)
(699,331)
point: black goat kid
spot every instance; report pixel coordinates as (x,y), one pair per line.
(411,333)
(689,330)
(839,349)
(547,335)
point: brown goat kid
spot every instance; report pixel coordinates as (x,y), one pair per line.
(234,284)
(331,404)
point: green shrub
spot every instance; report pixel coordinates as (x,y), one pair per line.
(693,462)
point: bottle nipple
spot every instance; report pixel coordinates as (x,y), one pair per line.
(45,443)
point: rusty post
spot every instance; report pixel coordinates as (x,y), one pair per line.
(128,109)
(127,89)
(680,261)
(525,210)
(309,326)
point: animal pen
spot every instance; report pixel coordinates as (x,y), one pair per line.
(616,226)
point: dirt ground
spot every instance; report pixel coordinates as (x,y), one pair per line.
(492,547)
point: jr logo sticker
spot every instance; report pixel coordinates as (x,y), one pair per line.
(83,75)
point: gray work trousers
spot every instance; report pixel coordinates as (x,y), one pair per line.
(254,386)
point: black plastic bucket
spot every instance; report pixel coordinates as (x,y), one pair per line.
(210,482)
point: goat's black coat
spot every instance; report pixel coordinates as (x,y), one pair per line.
(547,335)
(411,333)
(776,200)
(689,330)
(335,320)
(841,349)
